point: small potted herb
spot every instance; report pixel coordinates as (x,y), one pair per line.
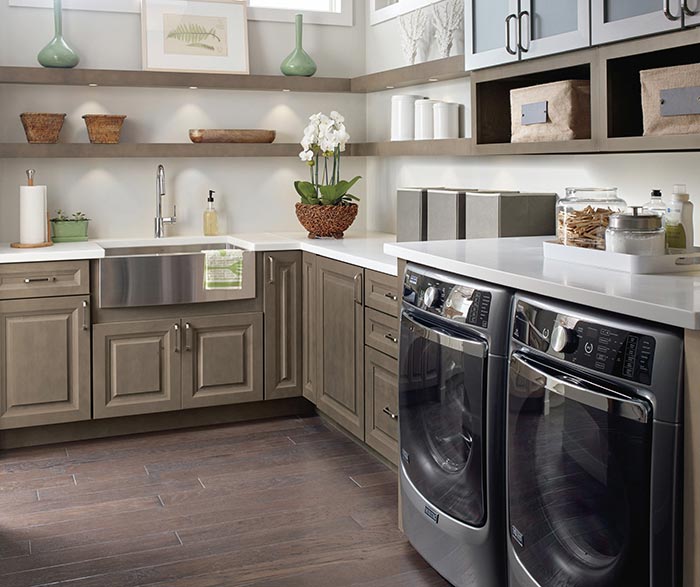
(71,229)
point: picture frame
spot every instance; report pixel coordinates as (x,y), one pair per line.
(384,10)
(195,36)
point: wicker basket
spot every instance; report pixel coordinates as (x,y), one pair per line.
(104,129)
(324,221)
(41,127)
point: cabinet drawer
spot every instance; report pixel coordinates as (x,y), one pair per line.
(382,404)
(382,332)
(42,280)
(382,292)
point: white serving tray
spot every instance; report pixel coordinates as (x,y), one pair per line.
(672,263)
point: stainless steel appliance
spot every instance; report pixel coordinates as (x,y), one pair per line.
(593,449)
(451,405)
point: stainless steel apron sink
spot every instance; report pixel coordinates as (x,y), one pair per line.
(164,274)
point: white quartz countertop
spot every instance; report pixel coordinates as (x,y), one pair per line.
(365,250)
(518,263)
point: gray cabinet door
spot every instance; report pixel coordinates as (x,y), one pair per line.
(283,344)
(382,404)
(691,12)
(136,368)
(340,338)
(309,297)
(553,26)
(614,20)
(490,33)
(44,361)
(222,360)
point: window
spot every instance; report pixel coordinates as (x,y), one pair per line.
(338,12)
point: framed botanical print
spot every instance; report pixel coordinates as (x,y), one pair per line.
(195,36)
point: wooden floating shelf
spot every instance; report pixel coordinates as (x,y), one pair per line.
(445,148)
(160,79)
(412,75)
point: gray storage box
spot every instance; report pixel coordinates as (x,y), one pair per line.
(671,100)
(446,214)
(411,214)
(503,214)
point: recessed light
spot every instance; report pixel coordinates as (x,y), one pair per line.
(390,87)
(286,90)
(433,79)
(92,85)
(194,87)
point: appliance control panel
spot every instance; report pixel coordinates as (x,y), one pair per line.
(594,345)
(457,302)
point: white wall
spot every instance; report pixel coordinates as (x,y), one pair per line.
(254,194)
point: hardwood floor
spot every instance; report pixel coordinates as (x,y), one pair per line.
(276,503)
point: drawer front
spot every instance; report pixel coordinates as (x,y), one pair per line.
(382,404)
(382,292)
(42,280)
(382,332)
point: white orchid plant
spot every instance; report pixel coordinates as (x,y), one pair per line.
(324,140)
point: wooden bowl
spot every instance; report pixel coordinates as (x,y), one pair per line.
(42,127)
(104,129)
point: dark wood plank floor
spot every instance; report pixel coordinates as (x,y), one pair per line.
(277,503)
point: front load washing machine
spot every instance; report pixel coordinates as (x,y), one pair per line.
(451,420)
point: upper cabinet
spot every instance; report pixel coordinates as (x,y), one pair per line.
(546,27)
(691,12)
(490,35)
(614,20)
(502,31)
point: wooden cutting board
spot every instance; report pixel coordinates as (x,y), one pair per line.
(223,135)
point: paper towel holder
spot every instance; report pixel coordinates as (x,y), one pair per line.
(47,242)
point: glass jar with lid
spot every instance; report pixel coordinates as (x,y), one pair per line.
(639,233)
(584,214)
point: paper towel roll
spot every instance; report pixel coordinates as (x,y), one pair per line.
(32,214)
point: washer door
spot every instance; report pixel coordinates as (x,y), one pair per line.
(441,389)
(579,477)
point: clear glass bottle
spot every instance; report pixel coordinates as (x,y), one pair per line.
(211,218)
(640,233)
(657,205)
(584,214)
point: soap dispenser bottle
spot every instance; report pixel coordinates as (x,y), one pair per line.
(211,218)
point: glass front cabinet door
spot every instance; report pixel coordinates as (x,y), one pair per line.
(491,33)
(546,27)
(614,20)
(691,12)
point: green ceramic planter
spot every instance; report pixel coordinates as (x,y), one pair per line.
(299,62)
(69,231)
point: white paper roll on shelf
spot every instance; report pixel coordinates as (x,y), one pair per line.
(424,119)
(32,214)
(446,120)
(403,117)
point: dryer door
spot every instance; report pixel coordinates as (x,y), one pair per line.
(578,479)
(441,404)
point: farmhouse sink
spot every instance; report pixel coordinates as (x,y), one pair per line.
(164,274)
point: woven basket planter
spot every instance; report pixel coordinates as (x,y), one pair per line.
(324,221)
(41,127)
(104,129)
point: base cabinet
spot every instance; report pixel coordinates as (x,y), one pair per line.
(308,326)
(381,404)
(44,361)
(340,339)
(152,366)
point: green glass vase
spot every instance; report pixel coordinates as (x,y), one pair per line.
(57,53)
(299,62)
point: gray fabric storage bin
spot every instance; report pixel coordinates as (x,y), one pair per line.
(503,214)
(445,214)
(411,214)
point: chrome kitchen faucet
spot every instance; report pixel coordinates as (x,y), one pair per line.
(160,221)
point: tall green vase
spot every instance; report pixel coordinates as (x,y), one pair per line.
(299,62)
(57,53)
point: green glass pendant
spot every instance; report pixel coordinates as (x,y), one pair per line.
(57,53)
(299,62)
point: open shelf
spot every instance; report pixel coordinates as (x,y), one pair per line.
(412,75)
(443,147)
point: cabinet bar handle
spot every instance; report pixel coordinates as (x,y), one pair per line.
(389,413)
(391,337)
(188,336)
(508,47)
(688,10)
(176,327)
(391,296)
(520,31)
(358,281)
(667,11)
(271,269)
(86,320)
(39,280)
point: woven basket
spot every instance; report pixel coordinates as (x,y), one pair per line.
(324,221)
(104,129)
(41,127)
